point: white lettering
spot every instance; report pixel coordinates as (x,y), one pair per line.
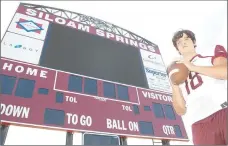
(109,35)
(133,43)
(41,15)
(31,12)
(71,99)
(19,69)
(60,20)
(31,71)
(89,121)
(151,48)
(133,126)
(168,130)
(83,120)
(86,121)
(119,38)
(100,32)
(43,74)
(67,98)
(84,27)
(145,94)
(75,119)
(15,111)
(69,115)
(5,66)
(100,98)
(18,110)
(170,99)
(71,24)
(164,97)
(47,18)
(142,46)
(126,108)
(157,96)
(28,70)
(109,123)
(115,124)
(9,110)
(126,40)
(72,118)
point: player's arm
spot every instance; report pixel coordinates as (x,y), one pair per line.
(219,68)
(179,103)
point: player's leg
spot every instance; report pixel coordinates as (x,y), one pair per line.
(211,130)
(203,134)
(223,115)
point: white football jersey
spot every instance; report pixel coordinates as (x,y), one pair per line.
(204,95)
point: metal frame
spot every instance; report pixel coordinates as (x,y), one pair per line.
(91,21)
(165,142)
(69,138)
(98,24)
(3,133)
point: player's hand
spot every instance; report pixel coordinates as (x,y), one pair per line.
(187,63)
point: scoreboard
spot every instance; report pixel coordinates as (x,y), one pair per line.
(72,72)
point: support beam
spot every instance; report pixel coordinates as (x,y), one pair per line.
(165,142)
(123,141)
(69,138)
(3,133)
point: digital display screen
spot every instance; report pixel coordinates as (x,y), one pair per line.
(82,53)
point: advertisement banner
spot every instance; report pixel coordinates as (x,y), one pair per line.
(155,70)
(29,26)
(21,48)
(152,60)
(157,80)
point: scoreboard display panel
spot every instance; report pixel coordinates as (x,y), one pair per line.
(61,71)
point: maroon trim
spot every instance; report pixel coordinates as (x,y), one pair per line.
(187,87)
(200,56)
(116,97)
(220,55)
(219,52)
(197,55)
(83,84)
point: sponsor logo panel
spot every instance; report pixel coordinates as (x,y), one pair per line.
(152,60)
(155,70)
(29,26)
(157,80)
(21,48)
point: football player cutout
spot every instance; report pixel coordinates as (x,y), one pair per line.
(202,98)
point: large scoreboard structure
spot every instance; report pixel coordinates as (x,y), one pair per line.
(68,71)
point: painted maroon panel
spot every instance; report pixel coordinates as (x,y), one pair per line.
(83,112)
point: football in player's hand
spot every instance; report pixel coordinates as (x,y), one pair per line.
(177,72)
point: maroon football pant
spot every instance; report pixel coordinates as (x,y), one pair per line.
(211,130)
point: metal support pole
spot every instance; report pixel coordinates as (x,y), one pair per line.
(165,142)
(123,141)
(3,134)
(69,138)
